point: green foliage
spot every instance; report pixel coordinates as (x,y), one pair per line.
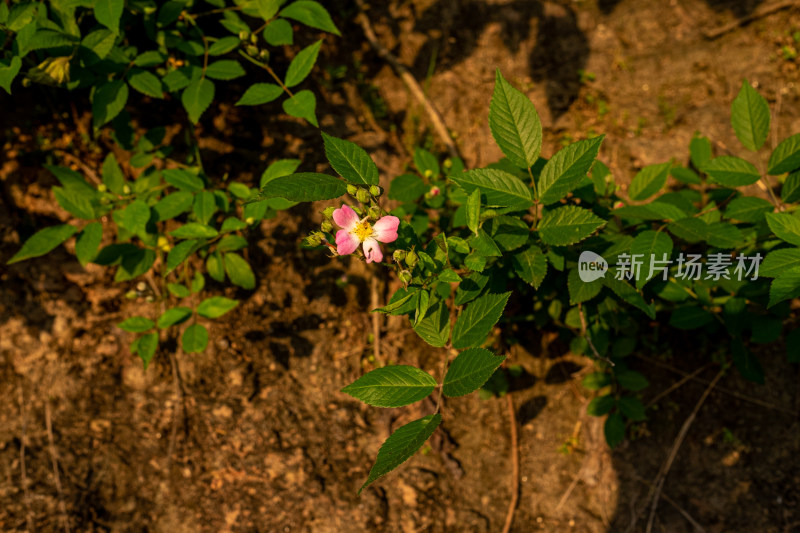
(392,386)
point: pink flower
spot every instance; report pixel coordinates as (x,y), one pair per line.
(435,191)
(355,231)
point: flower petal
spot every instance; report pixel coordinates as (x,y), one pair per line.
(345,218)
(372,251)
(385,230)
(346,242)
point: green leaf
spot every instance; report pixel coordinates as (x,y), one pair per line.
(648,181)
(401,445)
(600,405)
(112,174)
(690,317)
(629,295)
(9,72)
(224,45)
(786,156)
(566,169)
(700,151)
(172,205)
(178,290)
(685,175)
(304,187)
(596,381)
(205,206)
(134,263)
(746,363)
(631,380)
(748,209)
(216,306)
(193,230)
(530,264)
(198,282)
(134,217)
(779,261)
(301,65)
(151,58)
(43,241)
(195,338)
(484,244)
(476,321)
(653,211)
(311,14)
(225,69)
(470,287)
(651,244)
(614,430)
(514,124)
(136,324)
(279,32)
(469,371)
(231,243)
(790,192)
(197,97)
(215,267)
(473,210)
(350,161)
(785,287)
(146,347)
(509,233)
(302,105)
(239,271)
(731,171)
(183,179)
(75,202)
(260,93)
(690,229)
(785,226)
(581,291)
(108,100)
(173,316)
(568,225)
(268,8)
(88,242)
(632,408)
(426,162)
(146,83)
(392,386)
(434,328)
(498,187)
(180,252)
(108,13)
(750,117)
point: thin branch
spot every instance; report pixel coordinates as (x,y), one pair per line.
(54,456)
(588,338)
(179,405)
(512,505)
(376,317)
(22,464)
(413,85)
(762,12)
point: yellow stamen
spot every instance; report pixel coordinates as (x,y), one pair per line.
(362,230)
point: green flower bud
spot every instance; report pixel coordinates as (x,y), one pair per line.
(352,189)
(244,35)
(105,200)
(249,220)
(254,38)
(375,191)
(374,212)
(405,276)
(362,196)
(326,226)
(428,173)
(313,240)
(131,295)
(251,50)
(328,212)
(412,259)
(399,255)
(126,189)
(263,55)
(102,187)
(447,163)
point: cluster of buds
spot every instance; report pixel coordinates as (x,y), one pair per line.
(250,40)
(408,259)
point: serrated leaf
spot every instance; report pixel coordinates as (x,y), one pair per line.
(225,69)
(514,124)
(648,181)
(632,408)
(239,271)
(279,32)
(146,347)
(690,229)
(146,83)
(652,246)
(629,294)
(9,72)
(88,243)
(302,105)
(197,97)
(108,13)
(311,14)
(724,235)
(566,169)
(785,227)
(392,386)
(779,261)
(652,211)
(112,174)
(509,233)
(786,156)
(498,187)
(195,339)
(478,319)
(260,93)
(183,179)
(224,45)
(108,100)
(151,58)
(470,287)
(205,205)
(194,230)
(178,290)
(216,306)
(43,241)
(568,225)
(785,287)
(530,264)
(74,202)
(136,324)
(748,209)
(180,252)
(790,191)
(173,316)
(304,187)
(434,328)
(469,371)
(581,291)
(700,151)
(600,405)
(750,117)
(301,65)
(731,171)
(350,161)
(473,210)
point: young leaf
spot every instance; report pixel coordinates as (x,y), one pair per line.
(514,124)
(392,386)
(198,282)
(498,187)
(239,271)
(434,328)
(568,225)
(75,202)
(136,324)
(302,105)
(146,347)
(146,83)
(225,69)
(790,192)
(426,162)
(279,32)
(43,241)
(197,97)
(108,100)
(173,316)
(786,157)
(216,306)
(183,179)
(215,266)
(193,230)
(304,187)
(785,226)
(205,205)
(566,169)
(350,161)
(648,181)
(260,93)
(785,287)
(700,151)
(180,252)
(473,210)
(779,261)
(195,338)
(401,445)
(748,209)
(530,264)
(88,242)
(407,188)
(311,14)
(301,65)
(178,290)
(750,117)
(469,371)
(108,13)
(112,174)
(731,171)
(475,323)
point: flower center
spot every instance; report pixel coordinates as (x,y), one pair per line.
(362,230)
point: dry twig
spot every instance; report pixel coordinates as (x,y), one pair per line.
(54,456)
(512,506)
(761,12)
(22,464)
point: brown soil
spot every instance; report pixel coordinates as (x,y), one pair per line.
(263,440)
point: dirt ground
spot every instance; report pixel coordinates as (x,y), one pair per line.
(256,437)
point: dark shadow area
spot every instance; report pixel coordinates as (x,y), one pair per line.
(561,372)
(529,410)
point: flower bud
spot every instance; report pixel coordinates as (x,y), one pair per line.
(362,196)
(249,221)
(141,286)
(244,35)
(254,38)
(131,295)
(428,173)
(162,241)
(102,187)
(412,259)
(399,255)
(405,276)
(251,50)
(448,163)
(313,240)
(126,189)
(326,226)
(375,191)
(150,298)
(351,189)
(105,200)
(328,212)
(263,55)
(435,191)
(374,212)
